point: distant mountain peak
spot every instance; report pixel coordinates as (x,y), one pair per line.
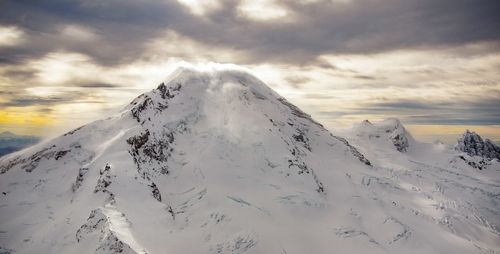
(473,144)
(7,134)
(390,128)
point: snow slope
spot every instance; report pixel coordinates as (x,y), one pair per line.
(214,161)
(459,192)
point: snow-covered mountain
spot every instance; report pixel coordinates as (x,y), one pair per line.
(215,161)
(388,133)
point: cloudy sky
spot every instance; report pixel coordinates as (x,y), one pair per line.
(435,64)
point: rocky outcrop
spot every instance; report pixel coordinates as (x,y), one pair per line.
(98,223)
(398,134)
(79,178)
(472,144)
(354,151)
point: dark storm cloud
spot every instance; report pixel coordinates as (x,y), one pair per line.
(123,27)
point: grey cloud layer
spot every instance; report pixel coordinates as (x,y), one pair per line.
(480,110)
(117,32)
(123,27)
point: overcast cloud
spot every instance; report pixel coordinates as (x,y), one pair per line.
(425,61)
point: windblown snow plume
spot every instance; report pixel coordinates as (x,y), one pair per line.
(214,161)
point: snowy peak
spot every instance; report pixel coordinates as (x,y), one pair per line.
(390,129)
(472,144)
(219,81)
(216,91)
(233,103)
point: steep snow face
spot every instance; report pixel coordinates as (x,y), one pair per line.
(389,132)
(472,144)
(216,162)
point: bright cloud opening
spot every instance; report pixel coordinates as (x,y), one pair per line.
(10,35)
(261,10)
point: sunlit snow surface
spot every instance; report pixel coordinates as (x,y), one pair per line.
(214,161)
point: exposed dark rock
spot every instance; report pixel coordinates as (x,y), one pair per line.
(136,111)
(73,131)
(240,244)
(113,245)
(399,135)
(61,154)
(167,92)
(297,112)
(304,169)
(171,211)
(353,150)
(154,150)
(138,141)
(300,165)
(95,221)
(155,191)
(29,163)
(472,144)
(400,141)
(79,178)
(302,138)
(480,164)
(104,179)
(98,223)
(164,170)
(321,188)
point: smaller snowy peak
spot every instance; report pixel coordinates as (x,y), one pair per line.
(472,144)
(389,129)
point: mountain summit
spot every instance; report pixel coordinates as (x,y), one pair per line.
(217,162)
(390,131)
(472,144)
